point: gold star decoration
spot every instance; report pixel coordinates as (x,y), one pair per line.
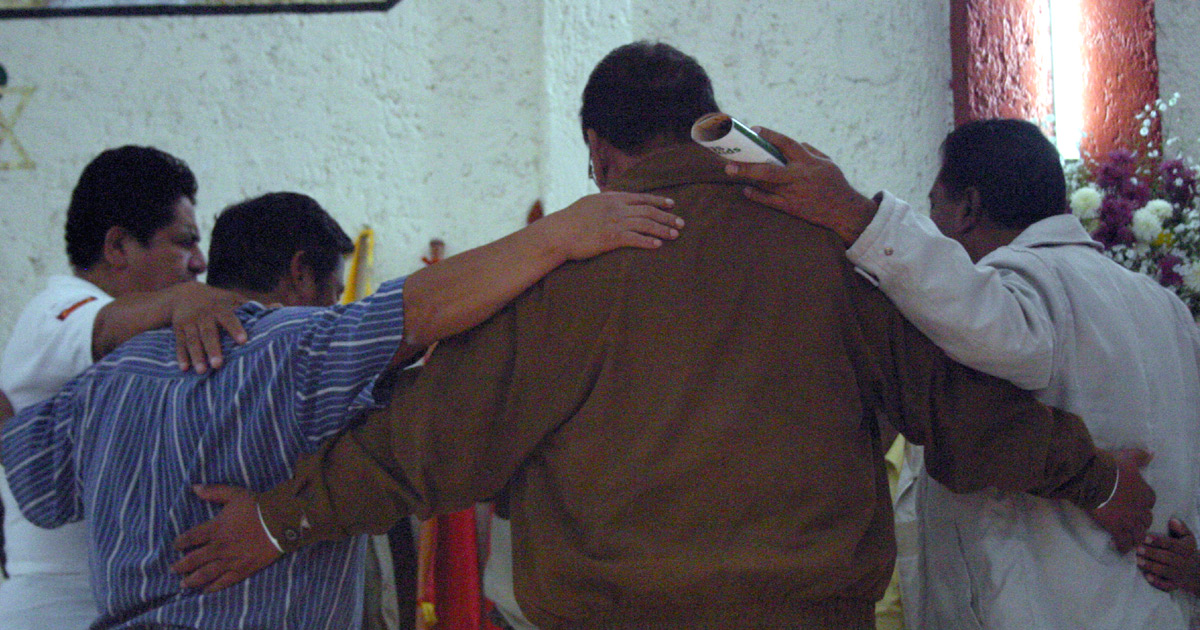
(7,122)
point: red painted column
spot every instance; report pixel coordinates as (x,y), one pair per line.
(1121,75)
(1000,51)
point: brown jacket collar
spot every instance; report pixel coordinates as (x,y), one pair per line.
(674,166)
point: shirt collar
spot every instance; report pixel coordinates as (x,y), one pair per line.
(675,166)
(1061,229)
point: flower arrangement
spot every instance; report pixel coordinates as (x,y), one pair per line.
(1143,209)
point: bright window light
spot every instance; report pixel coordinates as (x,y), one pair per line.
(1066,49)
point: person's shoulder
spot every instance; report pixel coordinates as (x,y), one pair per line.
(62,297)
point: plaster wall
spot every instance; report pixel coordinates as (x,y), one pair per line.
(441,118)
(1179,72)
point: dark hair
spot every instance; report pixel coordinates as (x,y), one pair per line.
(643,90)
(135,188)
(1016,170)
(253,242)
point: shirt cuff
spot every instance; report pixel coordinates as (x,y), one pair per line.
(266,530)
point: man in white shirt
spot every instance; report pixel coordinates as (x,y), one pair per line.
(132,242)
(1012,285)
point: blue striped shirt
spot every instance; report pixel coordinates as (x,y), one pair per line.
(122,444)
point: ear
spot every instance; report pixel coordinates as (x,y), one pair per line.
(972,214)
(117,243)
(302,280)
(598,158)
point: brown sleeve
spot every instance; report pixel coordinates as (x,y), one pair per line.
(451,435)
(978,430)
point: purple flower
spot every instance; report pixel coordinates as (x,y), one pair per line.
(1167,276)
(1116,215)
(1135,190)
(1117,211)
(1179,182)
(1117,170)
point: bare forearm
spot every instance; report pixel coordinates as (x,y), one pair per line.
(127,317)
(464,290)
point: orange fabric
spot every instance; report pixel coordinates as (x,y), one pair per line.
(71,309)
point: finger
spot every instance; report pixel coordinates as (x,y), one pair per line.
(647,199)
(210,342)
(204,575)
(195,349)
(232,325)
(225,581)
(760,172)
(1157,556)
(181,354)
(656,215)
(765,198)
(1138,533)
(788,147)
(1179,529)
(1137,456)
(649,228)
(1168,545)
(199,535)
(1163,570)
(198,557)
(216,493)
(641,241)
(1159,583)
(1123,541)
(814,151)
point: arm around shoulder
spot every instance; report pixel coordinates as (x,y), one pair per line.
(991,317)
(197,313)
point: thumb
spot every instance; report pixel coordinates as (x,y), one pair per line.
(813,150)
(788,147)
(1136,457)
(1178,528)
(218,494)
(1140,457)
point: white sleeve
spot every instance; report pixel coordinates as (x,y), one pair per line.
(988,318)
(50,344)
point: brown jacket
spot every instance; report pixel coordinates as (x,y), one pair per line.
(688,436)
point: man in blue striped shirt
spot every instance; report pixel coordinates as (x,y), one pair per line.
(124,442)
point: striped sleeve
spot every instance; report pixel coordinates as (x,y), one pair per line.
(37,450)
(340,353)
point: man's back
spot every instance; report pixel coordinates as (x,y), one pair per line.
(686,436)
(126,441)
(1126,358)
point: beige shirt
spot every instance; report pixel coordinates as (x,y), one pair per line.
(1053,314)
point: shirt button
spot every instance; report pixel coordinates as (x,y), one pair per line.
(291,534)
(888,251)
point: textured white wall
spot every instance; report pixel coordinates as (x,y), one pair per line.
(442,118)
(1179,72)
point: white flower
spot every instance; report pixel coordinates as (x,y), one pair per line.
(1191,276)
(1160,208)
(1085,202)
(1146,226)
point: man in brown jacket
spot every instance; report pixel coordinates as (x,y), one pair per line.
(687,437)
